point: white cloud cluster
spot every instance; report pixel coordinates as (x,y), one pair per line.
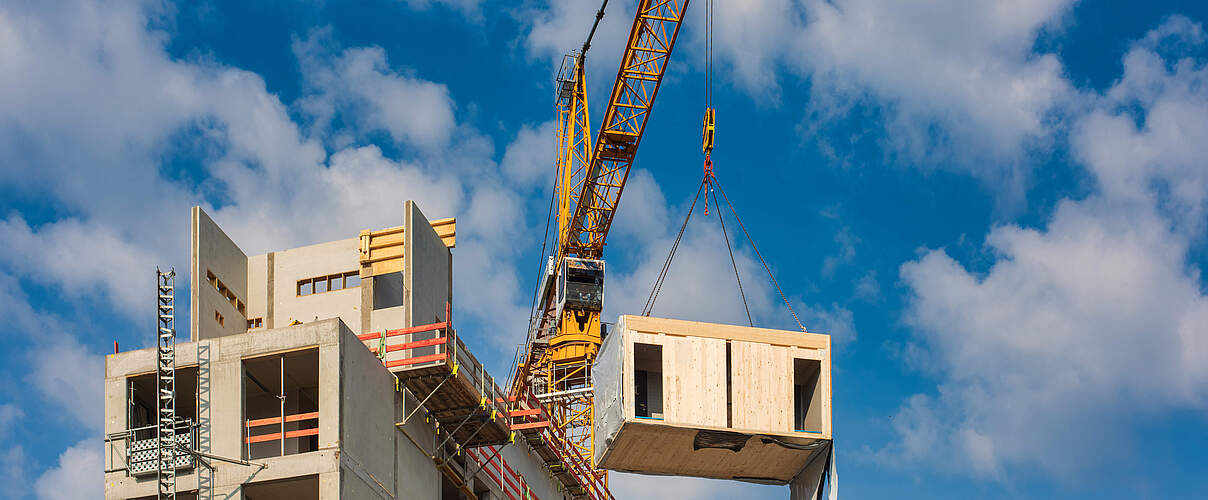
(957,79)
(56,374)
(472,9)
(92,109)
(413,111)
(955,82)
(79,474)
(1094,323)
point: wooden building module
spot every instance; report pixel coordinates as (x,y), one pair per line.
(720,401)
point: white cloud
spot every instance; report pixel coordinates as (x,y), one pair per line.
(1089,326)
(844,254)
(8,414)
(868,288)
(957,80)
(472,9)
(530,158)
(50,256)
(834,320)
(360,84)
(13,466)
(71,377)
(79,474)
(956,83)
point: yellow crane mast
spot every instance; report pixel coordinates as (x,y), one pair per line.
(566,333)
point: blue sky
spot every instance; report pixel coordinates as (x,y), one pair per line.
(997,210)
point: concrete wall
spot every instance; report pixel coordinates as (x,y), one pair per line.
(361,453)
(213,251)
(428,276)
(379,461)
(323,259)
(259,299)
(225,356)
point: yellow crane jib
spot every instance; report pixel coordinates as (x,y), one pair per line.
(566,333)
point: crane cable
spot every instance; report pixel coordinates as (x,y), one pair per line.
(710,180)
(758,254)
(658,282)
(729,249)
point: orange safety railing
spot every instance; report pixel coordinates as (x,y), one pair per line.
(277,436)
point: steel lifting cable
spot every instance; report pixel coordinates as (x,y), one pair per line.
(761,261)
(734,263)
(658,283)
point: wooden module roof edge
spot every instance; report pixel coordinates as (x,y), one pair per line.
(684,328)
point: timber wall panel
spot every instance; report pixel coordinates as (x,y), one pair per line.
(762,382)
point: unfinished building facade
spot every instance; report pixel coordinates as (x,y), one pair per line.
(323,372)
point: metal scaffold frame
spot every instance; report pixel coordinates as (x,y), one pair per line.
(166,382)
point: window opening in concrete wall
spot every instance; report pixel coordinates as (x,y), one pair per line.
(388,290)
(648,380)
(218,317)
(281,404)
(328,283)
(807,400)
(255,323)
(142,419)
(301,488)
(226,293)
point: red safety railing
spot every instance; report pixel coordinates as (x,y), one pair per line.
(404,339)
(277,436)
(491,462)
(532,414)
(440,340)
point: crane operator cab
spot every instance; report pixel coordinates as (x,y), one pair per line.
(581,285)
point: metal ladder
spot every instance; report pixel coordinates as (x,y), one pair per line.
(166,333)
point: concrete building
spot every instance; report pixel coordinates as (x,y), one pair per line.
(304,379)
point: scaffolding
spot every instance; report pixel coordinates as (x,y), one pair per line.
(166,384)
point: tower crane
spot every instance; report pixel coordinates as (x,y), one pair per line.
(565,331)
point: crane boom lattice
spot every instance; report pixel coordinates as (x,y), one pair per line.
(566,334)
